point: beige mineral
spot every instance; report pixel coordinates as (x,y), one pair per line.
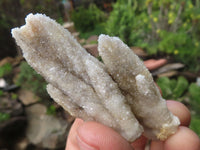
(77,80)
(119,93)
(134,79)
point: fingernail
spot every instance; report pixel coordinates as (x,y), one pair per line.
(84,146)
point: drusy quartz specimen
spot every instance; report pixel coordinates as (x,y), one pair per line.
(137,84)
(119,93)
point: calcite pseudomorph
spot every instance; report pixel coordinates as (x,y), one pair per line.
(119,93)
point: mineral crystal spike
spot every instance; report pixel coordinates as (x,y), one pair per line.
(77,80)
(137,85)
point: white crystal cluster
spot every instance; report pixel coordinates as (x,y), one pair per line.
(119,93)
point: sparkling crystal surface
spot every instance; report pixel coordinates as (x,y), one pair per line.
(119,93)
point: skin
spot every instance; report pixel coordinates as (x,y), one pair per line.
(95,136)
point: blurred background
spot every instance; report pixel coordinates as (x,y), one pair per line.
(163,32)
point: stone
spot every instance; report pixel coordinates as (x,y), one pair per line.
(139,51)
(14,61)
(167,68)
(198,81)
(119,93)
(168,74)
(46,131)
(69,26)
(153,64)
(10,106)
(92,49)
(82,41)
(3,83)
(27,97)
(22,144)
(92,39)
(6,60)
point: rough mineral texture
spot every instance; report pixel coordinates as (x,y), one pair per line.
(114,93)
(138,86)
(78,81)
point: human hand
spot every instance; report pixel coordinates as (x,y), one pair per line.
(95,136)
(92,135)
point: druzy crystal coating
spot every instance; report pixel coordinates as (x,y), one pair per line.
(119,93)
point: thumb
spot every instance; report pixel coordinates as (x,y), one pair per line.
(95,136)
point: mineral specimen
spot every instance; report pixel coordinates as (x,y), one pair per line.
(138,87)
(78,81)
(112,93)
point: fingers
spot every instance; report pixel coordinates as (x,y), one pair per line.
(183,114)
(184,139)
(140,143)
(92,135)
(181,111)
(95,136)
(157,145)
(72,140)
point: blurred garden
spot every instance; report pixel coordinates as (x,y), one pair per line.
(163,33)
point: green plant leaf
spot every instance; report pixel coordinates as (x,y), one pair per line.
(85,19)
(5,69)
(194,91)
(14,96)
(29,79)
(51,110)
(1,92)
(182,85)
(4,116)
(165,85)
(195,125)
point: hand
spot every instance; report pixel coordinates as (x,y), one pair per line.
(95,136)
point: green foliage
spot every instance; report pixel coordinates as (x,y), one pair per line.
(85,19)
(4,116)
(51,110)
(60,20)
(121,20)
(165,84)
(49,7)
(1,93)
(5,69)
(29,79)
(194,91)
(100,58)
(169,27)
(14,96)
(173,89)
(98,29)
(195,125)
(179,90)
